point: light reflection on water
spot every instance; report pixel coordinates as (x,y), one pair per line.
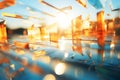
(110,52)
(49,77)
(90,64)
(60,68)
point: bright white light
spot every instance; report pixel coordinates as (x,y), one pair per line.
(60,68)
(86,24)
(37,25)
(12,66)
(62,37)
(62,48)
(49,77)
(46,36)
(50,20)
(63,20)
(62,44)
(66,55)
(112,45)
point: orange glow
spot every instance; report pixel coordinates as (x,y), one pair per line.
(19,51)
(24,61)
(11,15)
(49,77)
(54,37)
(45,59)
(6,3)
(82,2)
(118,56)
(100,29)
(35,69)
(21,44)
(41,56)
(3,33)
(4,47)
(4,60)
(39,53)
(34,34)
(77,49)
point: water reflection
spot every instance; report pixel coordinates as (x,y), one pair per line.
(75,62)
(60,68)
(49,77)
(4,47)
(3,34)
(101,54)
(66,54)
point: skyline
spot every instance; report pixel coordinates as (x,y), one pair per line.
(23,7)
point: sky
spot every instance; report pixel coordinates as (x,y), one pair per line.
(34,8)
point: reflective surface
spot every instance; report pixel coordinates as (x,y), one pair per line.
(45,61)
(67,43)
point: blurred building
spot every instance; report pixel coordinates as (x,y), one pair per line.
(3,33)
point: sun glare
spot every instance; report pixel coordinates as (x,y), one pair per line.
(63,20)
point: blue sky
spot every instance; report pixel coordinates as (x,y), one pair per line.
(22,7)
